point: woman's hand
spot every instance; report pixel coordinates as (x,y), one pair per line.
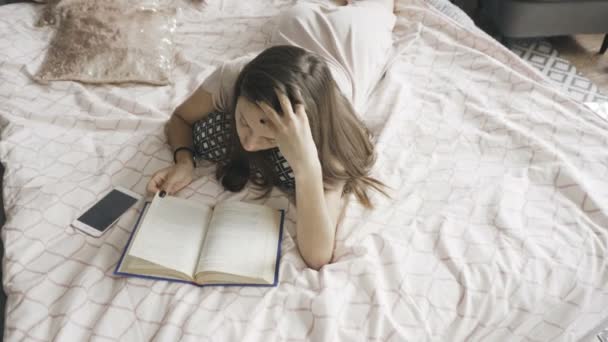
(171,179)
(292,134)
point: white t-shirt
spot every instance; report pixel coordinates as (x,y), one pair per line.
(354,40)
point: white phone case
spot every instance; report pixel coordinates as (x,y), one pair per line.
(85,228)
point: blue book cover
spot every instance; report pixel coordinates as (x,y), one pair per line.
(119,272)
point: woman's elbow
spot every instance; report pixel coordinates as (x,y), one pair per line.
(169,124)
(317,261)
(316,248)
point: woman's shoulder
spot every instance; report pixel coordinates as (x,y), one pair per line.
(220,83)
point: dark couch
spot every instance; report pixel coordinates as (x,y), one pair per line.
(542,18)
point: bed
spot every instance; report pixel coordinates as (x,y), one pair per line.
(496,229)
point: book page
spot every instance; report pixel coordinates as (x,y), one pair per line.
(172,233)
(137,266)
(242,240)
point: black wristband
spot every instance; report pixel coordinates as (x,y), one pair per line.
(182,148)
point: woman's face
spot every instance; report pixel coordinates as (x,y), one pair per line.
(253,126)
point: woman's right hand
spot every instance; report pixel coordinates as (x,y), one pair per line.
(171,179)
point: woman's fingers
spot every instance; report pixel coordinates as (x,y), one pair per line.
(281,123)
(285,104)
(170,179)
(272,115)
(299,107)
(157,181)
(152,187)
(172,188)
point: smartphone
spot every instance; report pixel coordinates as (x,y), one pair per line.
(102,215)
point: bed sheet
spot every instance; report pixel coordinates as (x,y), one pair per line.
(600,108)
(496,228)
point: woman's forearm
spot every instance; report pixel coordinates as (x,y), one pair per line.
(179,133)
(179,128)
(315,226)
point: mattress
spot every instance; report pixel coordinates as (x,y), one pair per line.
(601,108)
(495,230)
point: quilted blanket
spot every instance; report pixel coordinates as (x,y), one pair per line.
(496,228)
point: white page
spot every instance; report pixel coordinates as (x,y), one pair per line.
(172,233)
(242,239)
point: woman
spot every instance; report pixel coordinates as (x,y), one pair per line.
(287,117)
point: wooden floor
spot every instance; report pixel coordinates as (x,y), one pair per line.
(582,52)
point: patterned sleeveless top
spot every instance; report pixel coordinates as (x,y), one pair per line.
(212,135)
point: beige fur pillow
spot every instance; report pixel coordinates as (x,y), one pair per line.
(111,42)
(52,8)
(49,14)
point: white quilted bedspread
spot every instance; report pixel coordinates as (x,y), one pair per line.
(496,229)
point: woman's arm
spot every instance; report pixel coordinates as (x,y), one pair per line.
(179,133)
(318,211)
(179,127)
(317,217)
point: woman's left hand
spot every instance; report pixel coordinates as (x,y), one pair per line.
(292,134)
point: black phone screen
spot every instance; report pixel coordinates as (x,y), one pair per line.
(101,215)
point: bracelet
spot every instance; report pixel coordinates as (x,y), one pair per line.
(182,148)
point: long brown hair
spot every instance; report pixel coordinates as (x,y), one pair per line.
(343,143)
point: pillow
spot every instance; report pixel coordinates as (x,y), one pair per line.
(111,42)
(49,13)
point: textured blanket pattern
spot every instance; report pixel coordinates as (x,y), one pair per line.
(495,229)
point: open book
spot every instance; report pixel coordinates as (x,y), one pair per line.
(233,243)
